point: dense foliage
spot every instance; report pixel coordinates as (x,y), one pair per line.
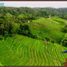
(23,20)
(33,36)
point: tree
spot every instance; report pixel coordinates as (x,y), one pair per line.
(24,30)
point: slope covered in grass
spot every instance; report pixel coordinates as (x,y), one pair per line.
(50,28)
(21,50)
(44,50)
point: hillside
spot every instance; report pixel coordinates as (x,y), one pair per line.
(21,50)
(48,28)
(44,50)
(33,36)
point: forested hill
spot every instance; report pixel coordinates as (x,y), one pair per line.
(44,12)
(33,36)
(21,21)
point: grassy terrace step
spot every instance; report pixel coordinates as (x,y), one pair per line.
(21,50)
(48,27)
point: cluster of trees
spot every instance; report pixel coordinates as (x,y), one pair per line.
(14,20)
(11,19)
(11,24)
(35,12)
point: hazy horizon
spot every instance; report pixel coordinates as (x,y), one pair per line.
(36,4)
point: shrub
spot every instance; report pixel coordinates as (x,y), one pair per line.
(64,29)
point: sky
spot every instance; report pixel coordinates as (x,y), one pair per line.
(54,4)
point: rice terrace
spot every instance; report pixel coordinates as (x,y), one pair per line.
(33,36)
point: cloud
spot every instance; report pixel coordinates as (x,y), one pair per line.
(54,4)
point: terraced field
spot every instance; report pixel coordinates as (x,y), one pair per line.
(48,27)
(21,50)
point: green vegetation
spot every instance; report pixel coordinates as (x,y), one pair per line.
(22,50)
(32,36)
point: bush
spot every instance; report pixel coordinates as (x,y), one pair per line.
(64,42)
(24,29)
(64,29)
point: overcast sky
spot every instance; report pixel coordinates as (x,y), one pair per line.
(54,4)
